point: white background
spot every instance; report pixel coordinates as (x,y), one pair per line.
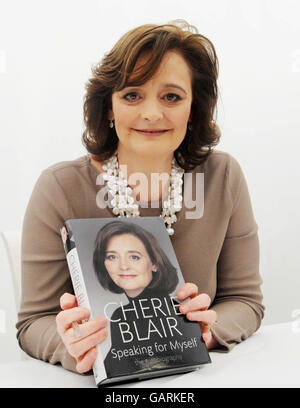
(47,49)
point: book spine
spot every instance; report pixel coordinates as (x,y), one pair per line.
(83,301)
(77,279)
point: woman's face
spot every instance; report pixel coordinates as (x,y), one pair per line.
(163,102)
(128,263)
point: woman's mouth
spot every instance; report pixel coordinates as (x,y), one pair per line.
(152,132)
(127,276)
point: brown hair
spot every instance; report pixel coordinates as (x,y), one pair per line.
(113,72)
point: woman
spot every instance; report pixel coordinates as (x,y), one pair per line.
(128,259)
(149,109)
(121,246)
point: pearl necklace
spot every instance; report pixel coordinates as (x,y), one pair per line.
(124,204)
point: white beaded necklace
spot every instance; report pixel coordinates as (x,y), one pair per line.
(124,204)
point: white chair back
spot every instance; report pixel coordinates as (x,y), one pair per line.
(12,245)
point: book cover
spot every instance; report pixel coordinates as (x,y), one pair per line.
(126,270)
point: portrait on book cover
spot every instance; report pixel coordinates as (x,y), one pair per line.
(129,260)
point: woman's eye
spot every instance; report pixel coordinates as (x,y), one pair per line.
(135,257)
(174,97)
(130,99)
(110,257)
(173,100)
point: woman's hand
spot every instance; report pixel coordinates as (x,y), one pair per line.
(92,332)
(195,309)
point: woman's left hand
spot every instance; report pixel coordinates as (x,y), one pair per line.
(196,309)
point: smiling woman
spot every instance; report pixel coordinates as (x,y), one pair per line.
(162,80)
(131,269)
(167,113)
(127,258)
(149,108)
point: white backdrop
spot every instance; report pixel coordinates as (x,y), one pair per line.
(47,49)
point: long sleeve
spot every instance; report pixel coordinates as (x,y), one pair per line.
(238,300)
(45,275)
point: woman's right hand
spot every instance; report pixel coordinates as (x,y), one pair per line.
(93,332)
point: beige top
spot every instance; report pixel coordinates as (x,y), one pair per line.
(219,252)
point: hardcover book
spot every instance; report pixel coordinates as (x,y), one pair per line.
(126,270)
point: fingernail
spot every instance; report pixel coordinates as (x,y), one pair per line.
(76,329)
(103,320)
(184,308)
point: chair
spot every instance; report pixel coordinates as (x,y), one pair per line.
(12,247)
(12,244)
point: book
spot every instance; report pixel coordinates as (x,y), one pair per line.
(126,270)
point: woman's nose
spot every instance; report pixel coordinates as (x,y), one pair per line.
(151,111)
(123,264)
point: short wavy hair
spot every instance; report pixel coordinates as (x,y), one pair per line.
(165,278)
(113,73)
